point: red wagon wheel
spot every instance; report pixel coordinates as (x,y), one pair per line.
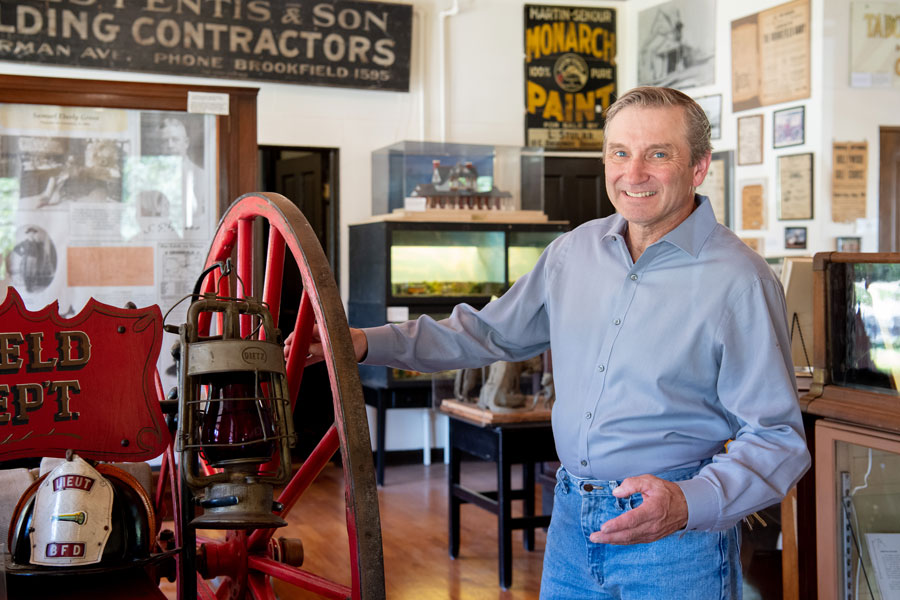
(245,560)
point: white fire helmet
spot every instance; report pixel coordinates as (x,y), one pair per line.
(72,516)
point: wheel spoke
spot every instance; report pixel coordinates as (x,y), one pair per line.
(274,275)
(260,588)
(299,577)
(301,480)
(296,361)
(245,270)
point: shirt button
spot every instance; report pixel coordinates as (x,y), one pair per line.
(584,463)
(634,277)
(601,368)
(588,487)
(617,322)
(587,415)
(613,238)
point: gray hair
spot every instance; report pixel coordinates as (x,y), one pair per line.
(697,125)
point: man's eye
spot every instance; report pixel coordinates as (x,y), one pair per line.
(619,153)
(659,154)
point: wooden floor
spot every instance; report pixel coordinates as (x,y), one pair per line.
(413,505)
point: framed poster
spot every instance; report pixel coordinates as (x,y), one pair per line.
(770,56)
(712,106)
(717,186)
(874,52)
(674,45)
(750,140)
(570,75)
(795,186)
(795,238)
(848,181)
(788,127)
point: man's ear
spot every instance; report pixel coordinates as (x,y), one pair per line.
(700,169)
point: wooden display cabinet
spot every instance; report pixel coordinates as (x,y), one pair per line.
(851,410)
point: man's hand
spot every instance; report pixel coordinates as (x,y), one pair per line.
(663,511)
(316,353)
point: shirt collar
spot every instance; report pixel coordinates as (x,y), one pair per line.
(690,233)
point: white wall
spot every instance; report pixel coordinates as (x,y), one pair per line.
(485,104)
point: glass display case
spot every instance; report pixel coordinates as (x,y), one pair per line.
(458,176)
(858,486)
(401,270)
(854,407)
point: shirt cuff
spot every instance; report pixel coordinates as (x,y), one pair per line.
(377,339)
(702,502)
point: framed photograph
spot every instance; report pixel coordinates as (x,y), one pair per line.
(674,45)
(788,127)
(795,238)
(717,186)
(712,106)
(795,186)
(750,140)
(849,244)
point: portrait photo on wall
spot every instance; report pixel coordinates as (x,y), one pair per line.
(788,127)
(674,45)
(795,238)
(849,244)
(712,106)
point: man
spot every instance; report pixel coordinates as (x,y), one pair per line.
(175,142)
(669,339)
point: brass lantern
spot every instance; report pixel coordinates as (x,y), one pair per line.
(234,414)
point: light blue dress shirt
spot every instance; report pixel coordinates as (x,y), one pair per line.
(656,363)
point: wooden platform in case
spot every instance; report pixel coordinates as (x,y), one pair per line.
(486,417)
(444,215)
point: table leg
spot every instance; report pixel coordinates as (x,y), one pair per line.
(504,516)
(528,488)
(453,502)
(381,420)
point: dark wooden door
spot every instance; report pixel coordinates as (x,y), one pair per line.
(575,190)
(889,191)
(300,180)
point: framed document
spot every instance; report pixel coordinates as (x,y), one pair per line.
(753,205)
(750,140)
(795,186)
(770,56)
(788,127)
(717,186)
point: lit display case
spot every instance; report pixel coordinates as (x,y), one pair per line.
(499,177)
(401,270)
(855,395)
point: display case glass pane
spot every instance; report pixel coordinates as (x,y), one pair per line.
(447,263)
(868,553)
(864,314)
(513,174)
(404,375)
(525,248)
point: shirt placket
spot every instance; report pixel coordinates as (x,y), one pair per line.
(623,301)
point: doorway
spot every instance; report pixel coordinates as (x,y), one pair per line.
(308,177)
(889,190)
(575,190)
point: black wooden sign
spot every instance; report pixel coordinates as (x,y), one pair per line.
(570,75)
(337,43)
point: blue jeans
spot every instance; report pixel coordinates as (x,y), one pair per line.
(693,565)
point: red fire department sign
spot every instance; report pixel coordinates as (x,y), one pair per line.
(87,383)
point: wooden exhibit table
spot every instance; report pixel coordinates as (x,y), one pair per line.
(508,442)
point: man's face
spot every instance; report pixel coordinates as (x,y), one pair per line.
(649,176)
(174,139)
